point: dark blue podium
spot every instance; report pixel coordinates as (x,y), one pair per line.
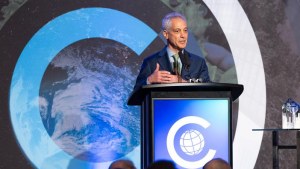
(188,123)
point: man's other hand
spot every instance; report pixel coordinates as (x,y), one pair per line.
(162,76)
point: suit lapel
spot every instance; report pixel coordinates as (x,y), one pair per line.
(165,64)
(164,61)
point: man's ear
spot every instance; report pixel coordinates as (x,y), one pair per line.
(165,33)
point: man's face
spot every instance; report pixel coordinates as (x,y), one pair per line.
(176,34)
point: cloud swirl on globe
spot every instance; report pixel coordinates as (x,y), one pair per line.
(83,100)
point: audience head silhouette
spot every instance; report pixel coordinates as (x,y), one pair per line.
(162,164)
(122,164)
(217,163)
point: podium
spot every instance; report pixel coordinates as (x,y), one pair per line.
(188,123)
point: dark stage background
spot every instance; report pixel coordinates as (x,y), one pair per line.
(68,66)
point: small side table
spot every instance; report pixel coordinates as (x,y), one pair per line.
(276,147)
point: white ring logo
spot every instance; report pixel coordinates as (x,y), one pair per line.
(250,71)
(170,142)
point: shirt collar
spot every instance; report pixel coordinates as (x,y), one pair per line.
(170,52)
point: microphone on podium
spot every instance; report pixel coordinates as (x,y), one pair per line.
(185,60)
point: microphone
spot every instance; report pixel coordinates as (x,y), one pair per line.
(193,80)
(185,60)
(199,80)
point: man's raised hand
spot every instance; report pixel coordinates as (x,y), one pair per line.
(159,76)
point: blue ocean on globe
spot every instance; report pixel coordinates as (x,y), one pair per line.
(83,100)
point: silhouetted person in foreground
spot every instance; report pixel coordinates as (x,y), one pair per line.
(122,164)
(162,164)
(217,163)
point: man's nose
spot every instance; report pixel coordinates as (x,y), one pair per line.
(183,34)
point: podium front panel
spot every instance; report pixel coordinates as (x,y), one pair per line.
(191,128)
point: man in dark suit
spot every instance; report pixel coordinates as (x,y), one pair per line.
(173,64)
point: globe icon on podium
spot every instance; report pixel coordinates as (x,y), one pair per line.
(192,142)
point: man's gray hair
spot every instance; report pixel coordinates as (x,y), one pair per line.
(166,21)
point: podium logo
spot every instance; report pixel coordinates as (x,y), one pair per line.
(192,142)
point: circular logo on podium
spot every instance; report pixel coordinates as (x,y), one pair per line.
(191,142)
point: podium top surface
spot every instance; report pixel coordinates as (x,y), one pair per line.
(137,97)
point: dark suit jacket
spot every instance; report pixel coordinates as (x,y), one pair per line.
(196,70)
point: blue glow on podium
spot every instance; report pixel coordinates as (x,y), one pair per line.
(199,130)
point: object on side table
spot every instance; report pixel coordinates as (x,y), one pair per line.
(290,115)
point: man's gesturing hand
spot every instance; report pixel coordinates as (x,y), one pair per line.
(162,76)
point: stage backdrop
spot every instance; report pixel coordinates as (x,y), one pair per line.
(67,68)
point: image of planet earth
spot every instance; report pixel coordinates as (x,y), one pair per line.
(83,100)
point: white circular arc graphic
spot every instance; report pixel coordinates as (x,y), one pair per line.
(170,142)
(250,73)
